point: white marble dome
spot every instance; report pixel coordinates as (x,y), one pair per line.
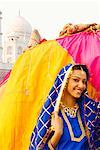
(19,24)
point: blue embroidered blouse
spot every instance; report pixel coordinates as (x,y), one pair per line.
(65,142)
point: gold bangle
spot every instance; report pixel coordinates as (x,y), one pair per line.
(50,145)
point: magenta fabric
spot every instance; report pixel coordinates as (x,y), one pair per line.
(5,78)
(84,47)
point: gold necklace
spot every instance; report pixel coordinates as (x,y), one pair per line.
(73,138)
(72,112)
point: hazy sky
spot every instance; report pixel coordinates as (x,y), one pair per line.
(49,16)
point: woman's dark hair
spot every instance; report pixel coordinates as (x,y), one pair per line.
(81,67)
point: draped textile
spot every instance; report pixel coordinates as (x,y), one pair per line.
(29,83)
(32,77)
(5,78)
(3,83)
(84,47)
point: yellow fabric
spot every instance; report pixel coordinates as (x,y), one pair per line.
(2,89)
(30,81)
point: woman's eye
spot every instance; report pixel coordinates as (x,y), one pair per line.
(76,80)
(84,82)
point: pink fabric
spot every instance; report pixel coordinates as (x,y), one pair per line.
(84,47)
(5,78)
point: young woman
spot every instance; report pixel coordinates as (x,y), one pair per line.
(69,118)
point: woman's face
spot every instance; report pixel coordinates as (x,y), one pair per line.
(77,83)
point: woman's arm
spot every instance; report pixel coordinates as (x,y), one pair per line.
(57,124)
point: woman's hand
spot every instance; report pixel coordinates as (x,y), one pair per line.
(57,123)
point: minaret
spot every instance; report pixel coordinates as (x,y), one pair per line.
(1,49)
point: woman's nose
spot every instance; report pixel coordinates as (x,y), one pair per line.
(81,85)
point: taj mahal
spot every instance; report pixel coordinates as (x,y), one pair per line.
(15,42)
